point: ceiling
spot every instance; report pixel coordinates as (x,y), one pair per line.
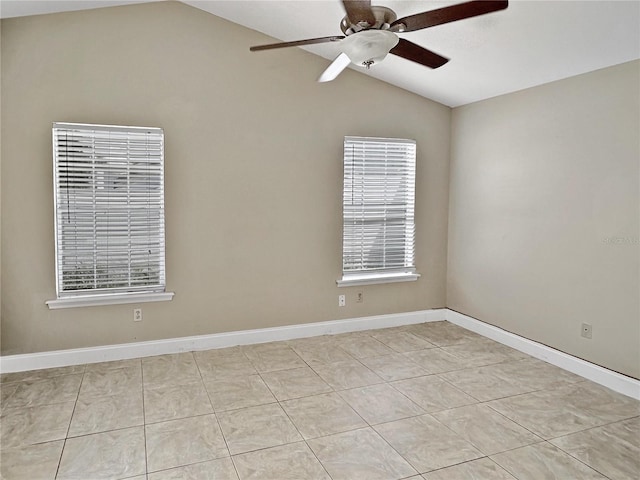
(531,43)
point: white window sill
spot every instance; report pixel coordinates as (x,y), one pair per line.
(353,280)
(112,299)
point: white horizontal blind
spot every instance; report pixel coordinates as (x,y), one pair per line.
(109,209)
(378,206)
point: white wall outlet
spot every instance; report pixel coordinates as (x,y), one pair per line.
(586,330)
(342,300)
(137,314)
(359,297)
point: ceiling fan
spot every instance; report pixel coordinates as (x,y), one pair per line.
(370,33)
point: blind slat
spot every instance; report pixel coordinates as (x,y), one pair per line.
(109,206)
(378,205)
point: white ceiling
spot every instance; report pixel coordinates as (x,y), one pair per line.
(531,43)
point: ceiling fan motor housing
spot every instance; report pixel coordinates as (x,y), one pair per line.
(384,18)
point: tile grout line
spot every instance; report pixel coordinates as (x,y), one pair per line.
(215,414)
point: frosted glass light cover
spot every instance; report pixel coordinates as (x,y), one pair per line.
(369,46)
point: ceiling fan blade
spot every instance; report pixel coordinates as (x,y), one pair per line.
(418,54)
(359,11)
(341,62)
(296,43)
(443,15)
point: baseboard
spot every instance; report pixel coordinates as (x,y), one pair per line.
(613,380)
(78,356)
(62,358)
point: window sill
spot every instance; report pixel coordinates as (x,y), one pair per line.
(353,280)
(113,299)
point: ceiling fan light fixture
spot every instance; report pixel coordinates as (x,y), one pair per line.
(368,47)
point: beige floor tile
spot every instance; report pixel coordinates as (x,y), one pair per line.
(117,454)
(321,353)
(229,393)
(182,442)
(33,375)
(254,428)
(100,414)
(380,403)
(394,367)
(535,374)
(484,352)
(360,455)
(348,374)
(170,370)
(601,403)
(364,346)
(58,389)
(180,401)
(566,410)
(426,443)
(613,449)
(436,360)
(486,429)
(223,363)
(31,462)
(481,469)
(273,356)
(28,426)
(114,365)
(433,393)
(6,391)
(106,382)
(295,383)
(322,415)
(220,469)
(401,341)
(543,460)
(287,462)
(485,383)
(443,333)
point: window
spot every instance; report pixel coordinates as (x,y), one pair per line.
(378,211)
(109,214)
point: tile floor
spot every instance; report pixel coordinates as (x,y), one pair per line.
(423,402)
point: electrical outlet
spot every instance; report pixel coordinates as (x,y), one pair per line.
(586,330)
(359,297)
(342,300)
(137,314)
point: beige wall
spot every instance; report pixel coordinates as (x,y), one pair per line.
(544,212)
(253,172)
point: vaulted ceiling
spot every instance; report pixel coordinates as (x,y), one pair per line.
(531,43)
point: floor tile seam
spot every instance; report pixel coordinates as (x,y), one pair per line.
(108,430)
(553,446)
(198,381)
(224,438)
(29,405)
(594,428)
(218,411)
(278,400)
(511,420)
(144,420)
(302,437)
(453,385)
(407,397)
(578,459)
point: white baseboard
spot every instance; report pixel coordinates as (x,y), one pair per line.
(613,380)
(62,358)
(79,356)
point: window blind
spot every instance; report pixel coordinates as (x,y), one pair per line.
(378,207)
(109,209)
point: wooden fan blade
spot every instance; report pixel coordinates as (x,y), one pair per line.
(418,54)
(359,11)
(447,14)
(296,43)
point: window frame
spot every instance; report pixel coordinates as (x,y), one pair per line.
(407,271)
(129,293)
